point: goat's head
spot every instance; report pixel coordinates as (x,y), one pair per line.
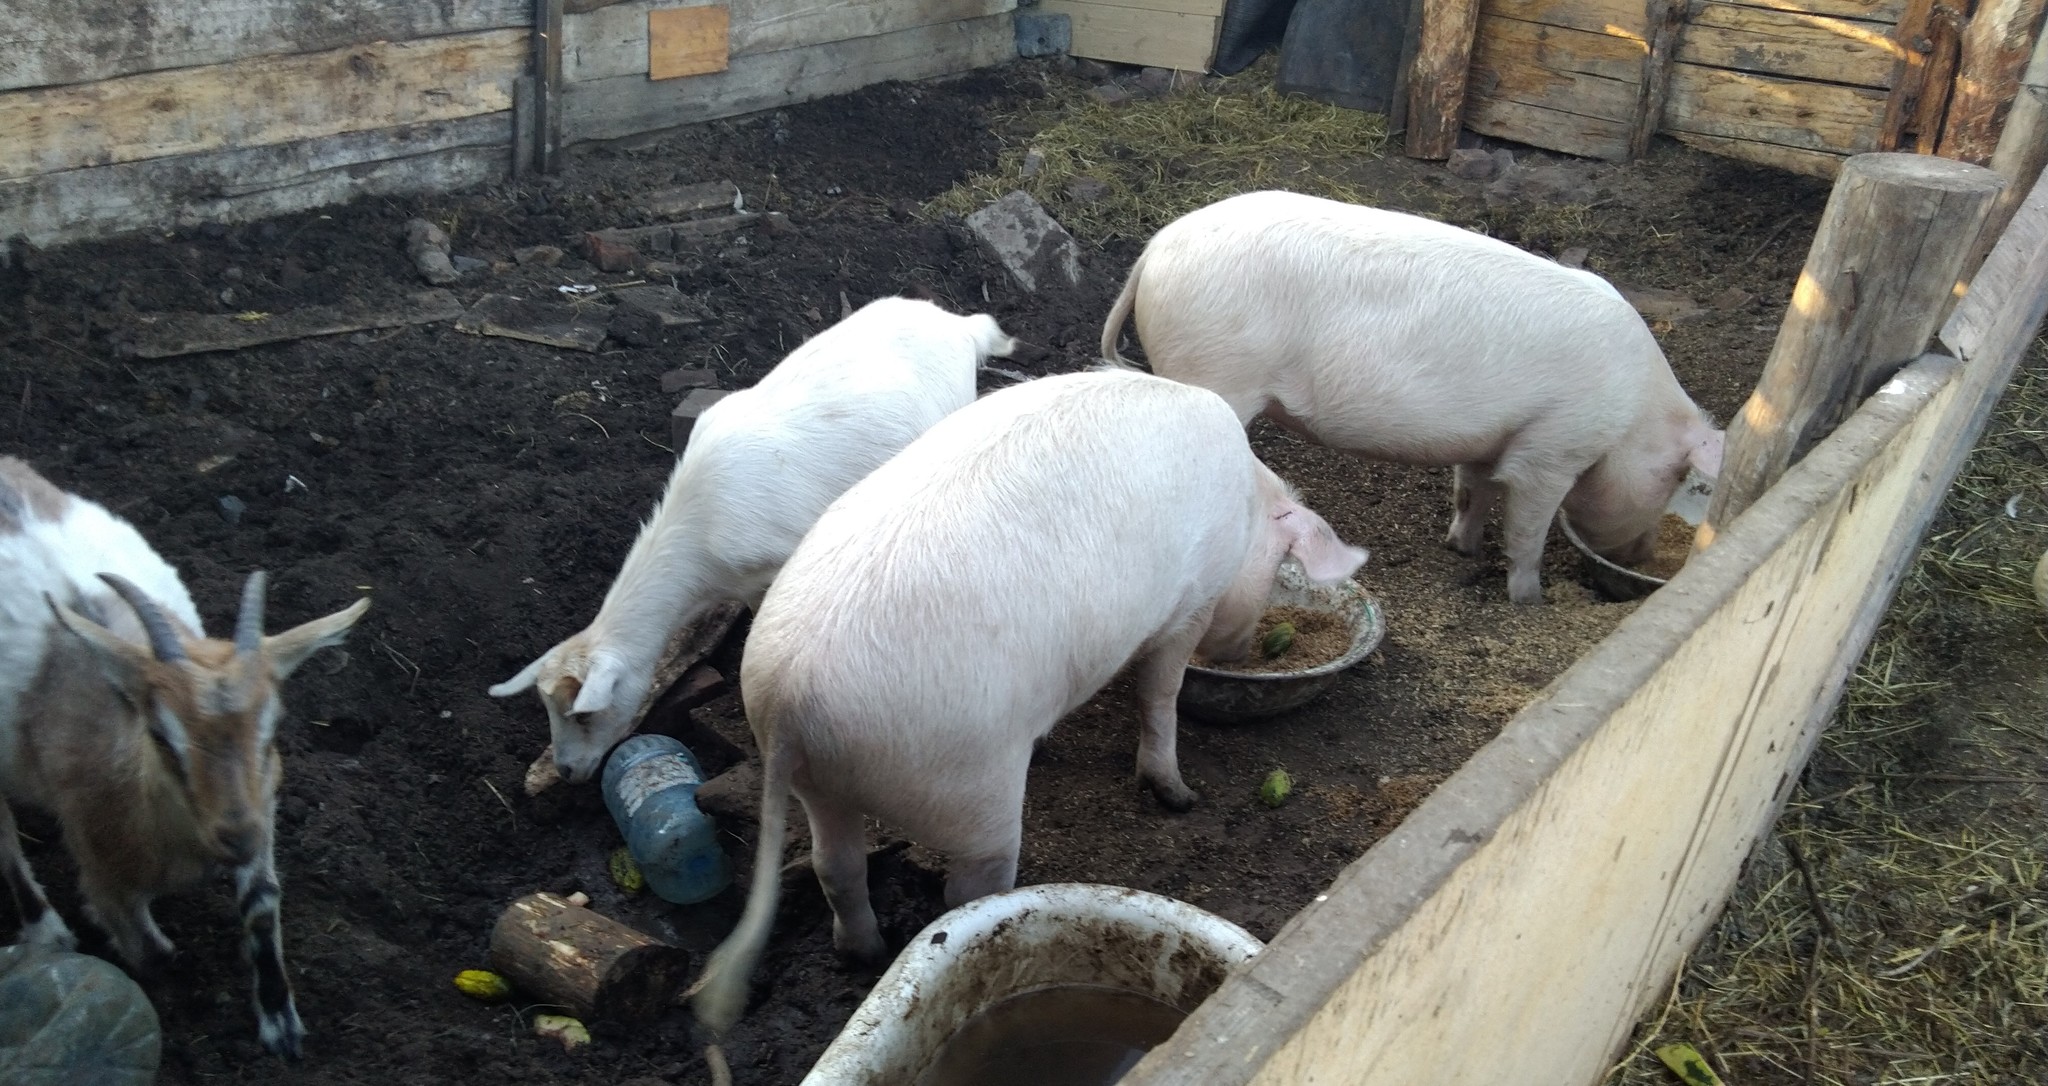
(589,699)
(210,706)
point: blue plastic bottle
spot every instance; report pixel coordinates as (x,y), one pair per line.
(650,786)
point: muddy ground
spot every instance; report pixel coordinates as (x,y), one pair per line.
(483,490)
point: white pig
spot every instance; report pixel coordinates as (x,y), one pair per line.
(1407,340)
(760,466)
(949,609)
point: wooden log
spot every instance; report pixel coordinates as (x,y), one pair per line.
(547,85)
(1910,49)
(1667,24)
(597,967)
(255,182)
(54,44)
(1436,86)
(168,335)
(1995,47)
(258,101)
(629,105)
(2022,151)
(1877,281)
(1944,35)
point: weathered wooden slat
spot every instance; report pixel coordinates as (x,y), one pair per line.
(1557,130)
(241,185)
(169,335)
(1995,47)
(612,41)
(1616,18)
(1945,37)
(1513,68)
(1558,49)
(64,41)
(1135,36)
(255,102)
(628,105)
(1794,159)
(547,84)
(1880,11)
(1791,44)
(1768,109)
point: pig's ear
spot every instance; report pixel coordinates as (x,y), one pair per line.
(1705,456)
(600,686)
(1314,544)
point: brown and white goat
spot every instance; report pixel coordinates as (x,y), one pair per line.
(153,744)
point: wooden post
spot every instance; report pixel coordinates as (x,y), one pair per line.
(1436,87)
(589,963)
(1945,38)
(1911,47)
(2022,151)
(1995,46)
(1877,284)
(1667,22)
(547,85)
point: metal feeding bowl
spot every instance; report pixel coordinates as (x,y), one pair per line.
(1620,582)
(1222,696)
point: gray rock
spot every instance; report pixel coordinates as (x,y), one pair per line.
(1157,81)
(1034,161)
(1040,34)
(232,508)
(1092,69)
(1087,190)
(71,1018)
(1472,164)
(546,256)
(1029,243)
(466,264)
(675,381)
(1110,94)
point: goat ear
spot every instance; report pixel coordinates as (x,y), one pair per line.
(288,650)
(121,663)
(518,683)
(600,686)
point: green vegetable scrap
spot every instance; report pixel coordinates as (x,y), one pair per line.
(1276,789)
(625,872)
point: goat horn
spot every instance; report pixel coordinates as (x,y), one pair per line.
(249,623)
(163,638)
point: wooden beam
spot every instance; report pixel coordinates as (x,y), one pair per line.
(1937,81)
(1550,128)
(58,43)
(1667,24)
(2022,150)
(1877,282)
(1790,43)
(547,85)
(1769,109)
(1626,19)
(1792,159)
(1436,88)
(259,101)
(1995,48)
(1910,49)
(629,105)
(169,335)
(254,183)
(613,41)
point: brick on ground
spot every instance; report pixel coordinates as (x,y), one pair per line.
(684,418)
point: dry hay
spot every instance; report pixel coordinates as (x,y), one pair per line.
(1896,931)
(1160,158)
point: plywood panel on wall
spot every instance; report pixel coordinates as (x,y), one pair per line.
(1137,35)
(630,104)
(264,100)
(50,42)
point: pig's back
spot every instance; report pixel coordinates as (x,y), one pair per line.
(1393,335)
(1011,559)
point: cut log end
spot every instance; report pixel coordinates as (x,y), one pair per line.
(596,967)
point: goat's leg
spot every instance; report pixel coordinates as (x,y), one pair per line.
(258,895)
(40,924)
(123,913)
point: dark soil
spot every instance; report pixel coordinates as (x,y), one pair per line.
(483,490)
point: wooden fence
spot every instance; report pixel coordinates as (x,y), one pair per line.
(179,112)
(1521,920)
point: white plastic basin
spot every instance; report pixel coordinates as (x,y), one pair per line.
(1028,939)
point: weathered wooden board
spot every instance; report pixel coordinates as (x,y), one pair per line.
(1614,18)
(77,41)
(1795,159)
(1555,129)
(1624,798)
(687,41)
(1530,56)
(630,104)
(1767,109)
(1881,11)
(260,101)
(1789,43)
(1995,47)
(241,185)
(168,335)
(576,326)
(1136,36)
(612,42)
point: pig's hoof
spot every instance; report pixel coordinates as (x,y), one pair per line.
(1453,544)
(1174,796)
(1526,593)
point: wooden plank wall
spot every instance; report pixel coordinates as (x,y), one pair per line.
(1177,34)
(1561,74)
(780,52)
(164,113)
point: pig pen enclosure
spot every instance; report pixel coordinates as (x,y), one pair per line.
(482,489)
